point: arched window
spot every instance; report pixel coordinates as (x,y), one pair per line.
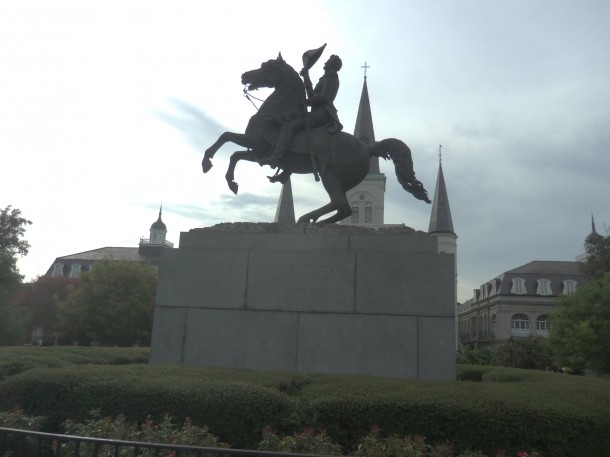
(520,325)
(355,214)
(75,271)
(518,286)
(494,324)
(544,287)
(569,286)
(542,324)
(58,269)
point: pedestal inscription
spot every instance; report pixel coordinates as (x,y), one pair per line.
(301,281)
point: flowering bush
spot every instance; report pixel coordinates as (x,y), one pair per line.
(309,441)
(18,419)
(373,445)
(165,432)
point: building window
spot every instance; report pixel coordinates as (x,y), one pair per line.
(494,324)
(518,287)
(368,214)
(569,286)
(542,324)
(520,325)
(355,214)
(58,269)
(544,287)
(492,288)
(75,271)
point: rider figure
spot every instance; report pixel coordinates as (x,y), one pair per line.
(323,111)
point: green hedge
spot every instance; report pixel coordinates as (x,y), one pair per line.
(235,411)
(15,360)
(513,409)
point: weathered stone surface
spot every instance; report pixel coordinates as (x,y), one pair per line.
(301,280)
(256,340)
(358,344)
(412,284)
(328,298)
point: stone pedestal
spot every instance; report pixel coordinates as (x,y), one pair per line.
(331,299)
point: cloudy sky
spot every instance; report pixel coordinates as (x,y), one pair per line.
(106,108)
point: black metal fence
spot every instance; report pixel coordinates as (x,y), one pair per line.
(26,443)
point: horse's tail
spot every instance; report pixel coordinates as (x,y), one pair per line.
(400,154)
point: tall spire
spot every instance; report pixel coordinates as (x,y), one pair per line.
(364,122)
(440,219)
(285,206)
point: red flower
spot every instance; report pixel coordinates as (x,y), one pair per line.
(522,454)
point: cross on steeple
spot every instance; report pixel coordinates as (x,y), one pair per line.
(440,155)
(365,66)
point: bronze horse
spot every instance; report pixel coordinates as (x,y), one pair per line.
(341,159)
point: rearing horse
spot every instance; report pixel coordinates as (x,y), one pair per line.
(341,159)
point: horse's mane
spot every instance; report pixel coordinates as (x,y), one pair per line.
(295,76)
(289,98)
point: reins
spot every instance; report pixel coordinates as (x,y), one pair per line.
(247,95)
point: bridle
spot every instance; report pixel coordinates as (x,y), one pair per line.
(249,97)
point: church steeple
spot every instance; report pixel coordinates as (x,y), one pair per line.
(364,122)
(367,198)
(285,206)
(440,219)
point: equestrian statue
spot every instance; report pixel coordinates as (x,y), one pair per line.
(286,135)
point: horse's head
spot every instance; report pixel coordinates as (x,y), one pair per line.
(268,75)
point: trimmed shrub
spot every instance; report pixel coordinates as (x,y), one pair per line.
(512,409)
(15,360)
(234,411)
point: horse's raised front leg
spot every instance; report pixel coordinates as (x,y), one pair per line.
(236,157)
(241,139)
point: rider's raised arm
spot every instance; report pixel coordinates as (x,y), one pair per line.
(307,82)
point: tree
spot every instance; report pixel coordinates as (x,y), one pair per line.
(113,305)
(598,258)
(12,229)
(580,327)
(529,353)
(12,319)
(40,299)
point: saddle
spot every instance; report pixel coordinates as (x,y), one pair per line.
(319,141)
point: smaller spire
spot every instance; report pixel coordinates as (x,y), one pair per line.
(440,218)
(365,66)
(284,213)
(593,237)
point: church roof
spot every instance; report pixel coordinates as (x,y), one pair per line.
(440,219)
(364,125)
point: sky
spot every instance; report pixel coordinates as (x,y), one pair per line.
(106,109)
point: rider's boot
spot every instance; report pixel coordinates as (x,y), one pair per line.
(281,146)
